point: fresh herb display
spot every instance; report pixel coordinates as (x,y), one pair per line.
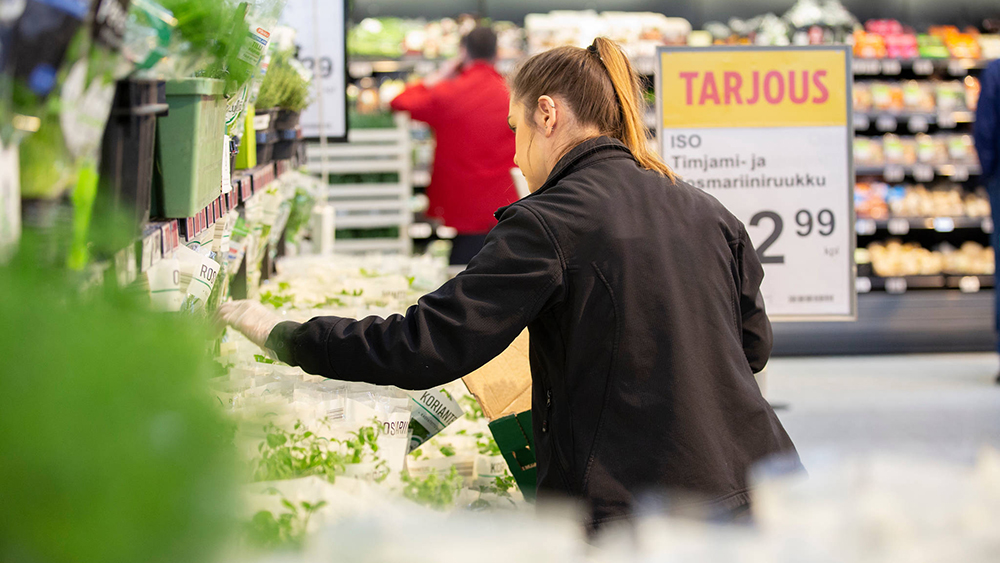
(434,491)
(286,84)
(302,453)
(473,410)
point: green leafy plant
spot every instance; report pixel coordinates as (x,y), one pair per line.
(302,453)
(262,359)
(285,85)
(275,300)
(501,487)
(473,410)
(435,491)
(486,444)
(287,530)
(448,451)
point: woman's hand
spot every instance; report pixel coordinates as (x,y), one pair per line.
(251,318)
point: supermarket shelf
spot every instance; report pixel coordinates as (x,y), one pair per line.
(912,322)
(904,284)
(959,172)
(920,67)
(903,225)
(914,121)
(361,66)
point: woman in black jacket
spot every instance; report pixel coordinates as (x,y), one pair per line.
(641,295)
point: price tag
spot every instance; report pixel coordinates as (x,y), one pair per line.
(895,285)
(147,254)
(891,67)
(961,173)
(956,67)
(227,173)
(944,224)
(923,67)
(894,174)
(923,173)
(987,225)
(865,227)
(946,120)
(360,69)
(969,284)
(867,67)
(898,226)
(864,285)
(861,122)
(886,123)
(918,124)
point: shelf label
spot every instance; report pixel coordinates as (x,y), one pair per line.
(918,124)
(768,133)
(956,67)
(944,224)
(865,227)
(886,123)
(895,285)
(867,67)
(969,284)
(864,285)
(898,226)
(861,122)
(891,67)
(894,173)
(960,173)
(923,67)
(987,225)
(946,120)
(923,173)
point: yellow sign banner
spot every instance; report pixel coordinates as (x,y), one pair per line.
(754,88)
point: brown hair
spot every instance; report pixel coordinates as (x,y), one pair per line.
(601,88)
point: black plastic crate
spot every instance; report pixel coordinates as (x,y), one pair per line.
(127,152)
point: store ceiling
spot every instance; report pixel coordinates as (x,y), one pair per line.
(915,12)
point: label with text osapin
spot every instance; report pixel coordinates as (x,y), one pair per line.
(766,131)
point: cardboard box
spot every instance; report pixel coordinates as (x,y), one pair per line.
(503,389)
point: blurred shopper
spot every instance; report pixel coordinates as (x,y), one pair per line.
(987,135)
(465,103)
(641,294)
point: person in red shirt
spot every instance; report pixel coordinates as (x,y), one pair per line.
(466,103)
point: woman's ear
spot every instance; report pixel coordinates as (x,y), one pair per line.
(548,114)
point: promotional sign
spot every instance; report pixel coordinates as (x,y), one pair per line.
(326,57)
(767,131)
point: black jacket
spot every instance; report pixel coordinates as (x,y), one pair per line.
(642,300)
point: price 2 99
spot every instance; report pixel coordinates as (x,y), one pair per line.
(823,224)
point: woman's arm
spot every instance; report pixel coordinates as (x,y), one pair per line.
(447,334)
(757,337)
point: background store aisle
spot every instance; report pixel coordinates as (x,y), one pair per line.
(939,406)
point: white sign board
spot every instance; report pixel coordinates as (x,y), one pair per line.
(767,131)
(326,56)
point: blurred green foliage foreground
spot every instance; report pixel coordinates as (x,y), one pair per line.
(109,449)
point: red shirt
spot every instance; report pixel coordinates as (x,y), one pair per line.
(475,147)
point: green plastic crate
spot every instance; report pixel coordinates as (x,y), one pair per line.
(514,437)
(189,151)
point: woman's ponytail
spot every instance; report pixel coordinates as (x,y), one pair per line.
(600,86)
(628,90)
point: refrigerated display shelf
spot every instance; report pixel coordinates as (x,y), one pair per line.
(912,322)
(903,225)
(920,171)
